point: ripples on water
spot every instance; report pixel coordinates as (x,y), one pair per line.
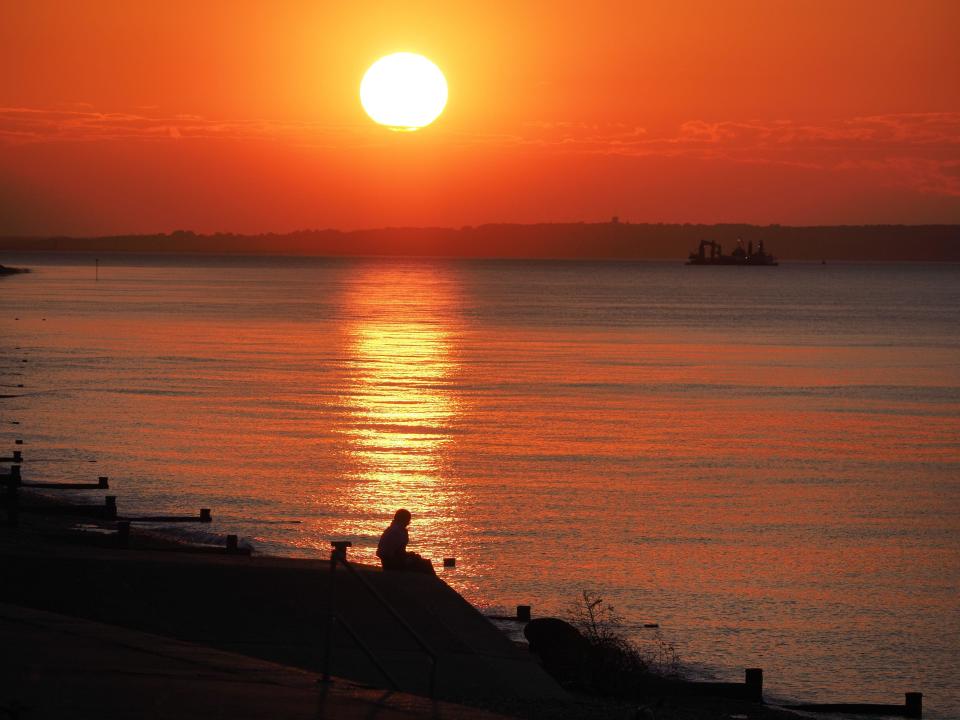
(763,460)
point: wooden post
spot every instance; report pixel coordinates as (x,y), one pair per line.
(18,442)
(17,456)
(753,677)
(232,544)
(914,705)
(15,478)
(340,550)
(110,506)
(102,482)
(523,613)
(205,515)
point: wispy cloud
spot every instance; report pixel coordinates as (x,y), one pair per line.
(941,130)
(21,125)
(921,150)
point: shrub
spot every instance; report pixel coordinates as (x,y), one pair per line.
(616,665)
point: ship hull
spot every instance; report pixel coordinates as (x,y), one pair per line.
(731,261)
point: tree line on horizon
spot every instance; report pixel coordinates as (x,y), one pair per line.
(600,241)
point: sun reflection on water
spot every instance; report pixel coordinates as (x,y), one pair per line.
(401,408)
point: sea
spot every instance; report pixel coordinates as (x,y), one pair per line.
(763,462)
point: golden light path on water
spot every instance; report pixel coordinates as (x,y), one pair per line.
(401,409)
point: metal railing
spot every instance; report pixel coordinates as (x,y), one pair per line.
(339,555)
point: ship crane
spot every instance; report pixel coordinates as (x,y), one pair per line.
(715,250)
(740,256)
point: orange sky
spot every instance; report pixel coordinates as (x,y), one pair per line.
(244,116)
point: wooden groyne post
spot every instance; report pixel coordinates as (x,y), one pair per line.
(339,552)
(911,708)
(204,516)
(913,704)
(753,679)
(102,483)
(750,689)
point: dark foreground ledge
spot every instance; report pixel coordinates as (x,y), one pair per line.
(55,666)
(276,610)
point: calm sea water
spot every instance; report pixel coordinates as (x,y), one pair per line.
(765,461)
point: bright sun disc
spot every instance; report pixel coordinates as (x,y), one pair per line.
(403,91)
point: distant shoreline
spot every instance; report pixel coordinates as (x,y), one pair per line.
(82,258)
(556,241)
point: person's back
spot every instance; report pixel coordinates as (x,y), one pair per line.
(392,548)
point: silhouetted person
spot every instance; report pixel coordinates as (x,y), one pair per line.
(392,548)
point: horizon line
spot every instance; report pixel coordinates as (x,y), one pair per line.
(468,227)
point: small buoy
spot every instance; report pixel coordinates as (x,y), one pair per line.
(651,625)
(449,562)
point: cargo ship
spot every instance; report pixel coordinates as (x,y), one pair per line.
(739,256)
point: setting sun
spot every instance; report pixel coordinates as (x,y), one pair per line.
(403,91)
